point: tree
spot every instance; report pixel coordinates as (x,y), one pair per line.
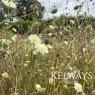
(25,9)
(2,12)
(29,9)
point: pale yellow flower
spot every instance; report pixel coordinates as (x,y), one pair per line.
(12,4)
(9,52)
(38,86)
(9,3)
(14,30)
(27,61)
(41,48)
(14,38)
(26,55)
(51,80)
(34,52)
(78,87)
(26,65)
(34,39)
(5,75)
(66,43)
(72,22)
(6,2)
(40,89)
(52,27)
(5,41)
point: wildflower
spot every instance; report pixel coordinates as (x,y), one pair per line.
(34,39)
(6,2)
(34,52)
(51,26)
(35,26)
(39,70)
(5,41)
(65,86)
(12,4)
(5,15)
(69,68)
(78,87)
(41,48)
(65,29)
(79,27)
(40,89)
(5,75)
(51,80)
(61,33)
(26,65)
(9,52)
(14,38)
(84,49)
(9,3)
(6,23)
(72,22)
(66,43)
(89,28)
(38,45)
(26,55)
(93,41)
(27,61)
(14,30)
(38,86)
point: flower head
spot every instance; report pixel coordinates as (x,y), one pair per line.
(72,22)
(9,3)
(34,39)
(52,27)
(14,30)
(41,48)
(78,87)
(38,86)
(14,38)
(5,41)
(51,80)
(40,89)
(12,4)
(5,75)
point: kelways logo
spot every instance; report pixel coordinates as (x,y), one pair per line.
(68,75)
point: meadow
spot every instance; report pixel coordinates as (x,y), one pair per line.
(46,57)
(34,63)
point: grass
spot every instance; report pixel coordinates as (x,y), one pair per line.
(74,52)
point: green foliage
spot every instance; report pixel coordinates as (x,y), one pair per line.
(21,26)
(29,9)
(1,16)
(26,10)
